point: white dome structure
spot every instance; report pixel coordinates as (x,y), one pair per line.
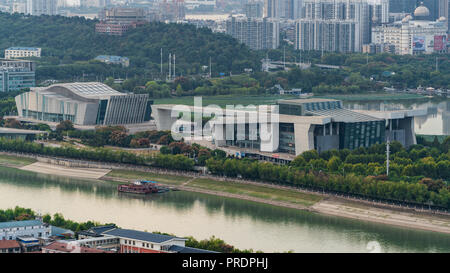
(442,19)
(421,11)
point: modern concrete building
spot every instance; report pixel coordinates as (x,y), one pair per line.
(83,103)
(16,75)
(256,33)
(22,52)
(302,125)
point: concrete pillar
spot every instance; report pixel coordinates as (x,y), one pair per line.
(219,134)
(271,143)
(163,118)
(304,137)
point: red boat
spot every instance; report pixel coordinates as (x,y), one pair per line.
(138,187)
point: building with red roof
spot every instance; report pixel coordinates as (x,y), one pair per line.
(9,246)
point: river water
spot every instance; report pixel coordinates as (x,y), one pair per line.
(243,224)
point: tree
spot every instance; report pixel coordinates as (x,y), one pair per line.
(299,161)
(179,90)
(13,123)
(119,138)
(334,163)
(65,125)
(309,155)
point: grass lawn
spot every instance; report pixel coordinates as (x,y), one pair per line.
(257,191)
(14,160)
(165,179)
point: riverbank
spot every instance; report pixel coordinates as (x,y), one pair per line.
(272,195)
(90,173)
(326,205)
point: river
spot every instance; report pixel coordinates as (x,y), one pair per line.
(241,223)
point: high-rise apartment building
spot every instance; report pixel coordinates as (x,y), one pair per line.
(444,8)
(402,6)
(42,7)
(254,9)
(256,33)
(334,25)
(270,10)
(433,7)
(283,9)
(379,11)
(327,35)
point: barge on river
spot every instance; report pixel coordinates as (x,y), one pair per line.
(142,187)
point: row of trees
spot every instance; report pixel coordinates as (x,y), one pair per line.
(169,161)
(16,214)
(119,136)
(405,164)
(369,186)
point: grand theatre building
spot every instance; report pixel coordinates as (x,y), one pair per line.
(83,103)
(301,125)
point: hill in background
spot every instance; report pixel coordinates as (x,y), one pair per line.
(70,43)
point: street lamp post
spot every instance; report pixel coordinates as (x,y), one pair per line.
(387,157)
